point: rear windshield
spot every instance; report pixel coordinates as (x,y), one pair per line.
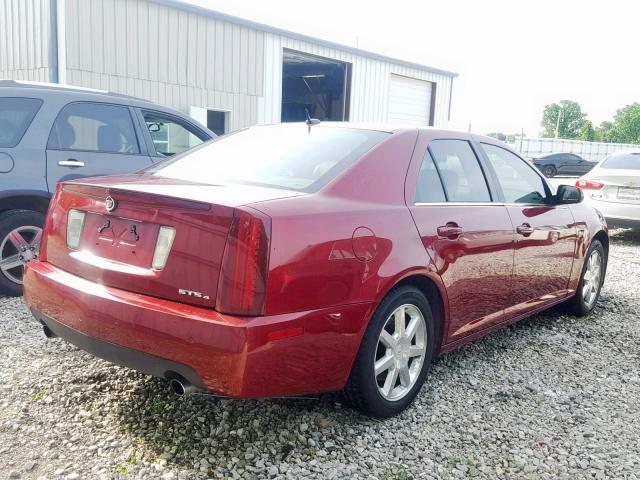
(628,161)
(291,156)
(16,115)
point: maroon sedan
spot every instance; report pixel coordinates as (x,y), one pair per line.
(294,259)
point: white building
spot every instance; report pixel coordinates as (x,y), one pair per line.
(225,71)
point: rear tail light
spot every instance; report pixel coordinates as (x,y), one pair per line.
(589,184)
(75,222)
(163,247)
(243,275)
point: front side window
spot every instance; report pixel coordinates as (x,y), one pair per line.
(429,187)
(460,171)
(169,135)
(519,183)
(94,127)
(16,114)
(291,156)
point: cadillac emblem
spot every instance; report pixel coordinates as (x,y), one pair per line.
(110,204)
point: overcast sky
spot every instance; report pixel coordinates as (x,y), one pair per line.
(513,57)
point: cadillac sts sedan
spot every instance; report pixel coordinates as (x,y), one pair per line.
(300,258)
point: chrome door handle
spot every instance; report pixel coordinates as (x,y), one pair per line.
(451,230)
(525,229)
(72,162)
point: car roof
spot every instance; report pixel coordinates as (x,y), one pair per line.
(44,90)
(624,152)
(394,128)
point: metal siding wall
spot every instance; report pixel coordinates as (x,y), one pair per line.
(166,55)
(24,40)
(178,58)
(369,82)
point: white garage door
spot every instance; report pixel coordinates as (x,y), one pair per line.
(409,100)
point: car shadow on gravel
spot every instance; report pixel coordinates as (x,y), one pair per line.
(184,429)
(627,235)
(187,429)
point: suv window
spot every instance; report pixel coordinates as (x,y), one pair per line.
(519,182)
(429,188)
(94,127)
(16,114)
(460,171)
(169,135)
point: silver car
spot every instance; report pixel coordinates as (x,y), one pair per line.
(613,187)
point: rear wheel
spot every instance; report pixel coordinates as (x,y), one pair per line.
(20,234)
(590,284)
(549,171)
(394,356)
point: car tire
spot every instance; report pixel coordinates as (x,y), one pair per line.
(27,224)
(402,381)
(582,304)
(549,171)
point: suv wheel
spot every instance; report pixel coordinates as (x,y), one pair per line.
(20,233)
(394,356)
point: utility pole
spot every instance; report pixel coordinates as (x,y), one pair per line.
(560,114)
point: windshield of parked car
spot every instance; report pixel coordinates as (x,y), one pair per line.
(292,156)
(16,115)
(627,161)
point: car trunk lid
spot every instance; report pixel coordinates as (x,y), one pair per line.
(116,247)
(622,186)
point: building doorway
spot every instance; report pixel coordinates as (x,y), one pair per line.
(318,85)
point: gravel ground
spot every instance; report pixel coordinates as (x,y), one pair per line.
(551,397)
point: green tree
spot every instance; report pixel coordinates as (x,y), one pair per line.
(567,117)
(498,135)
(587,132)
(626,125)
(603,132)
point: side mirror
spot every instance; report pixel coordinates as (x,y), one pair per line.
(568,194)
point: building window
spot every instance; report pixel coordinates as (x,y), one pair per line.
(318,85)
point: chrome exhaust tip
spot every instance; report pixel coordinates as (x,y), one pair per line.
(180,387)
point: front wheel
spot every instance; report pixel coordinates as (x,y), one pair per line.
(20,234)
(590,284)
(394,356)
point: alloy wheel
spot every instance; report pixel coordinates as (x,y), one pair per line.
(591,278)
(17,248)
(400,353)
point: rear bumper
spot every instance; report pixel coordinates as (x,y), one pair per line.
(617,214)
(232,356)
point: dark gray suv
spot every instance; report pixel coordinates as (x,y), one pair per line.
(50,133)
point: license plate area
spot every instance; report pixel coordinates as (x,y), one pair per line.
(122,240)
(628,193)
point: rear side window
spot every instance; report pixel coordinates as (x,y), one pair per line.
(16,114)
(94,127)
(292,156)
(429,188)
(627,161)
(519,183)
(460,171)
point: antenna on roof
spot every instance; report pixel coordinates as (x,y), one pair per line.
(310,121)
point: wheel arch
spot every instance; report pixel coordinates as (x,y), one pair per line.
(37,202)
(435,295)
(603,238)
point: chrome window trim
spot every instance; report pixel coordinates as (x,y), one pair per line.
(484,204)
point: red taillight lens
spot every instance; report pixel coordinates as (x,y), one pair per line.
(243,274)
(589,185)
